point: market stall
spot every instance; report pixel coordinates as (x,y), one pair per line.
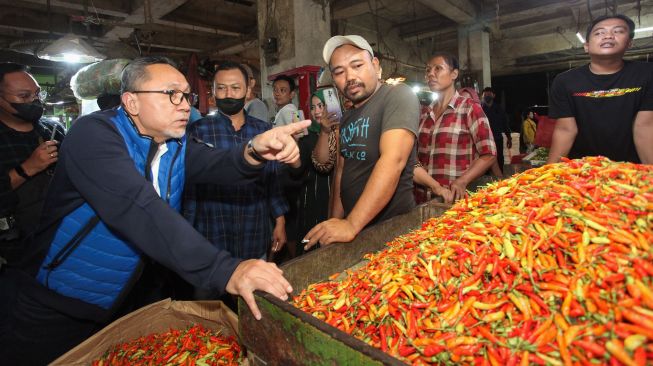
(551,266)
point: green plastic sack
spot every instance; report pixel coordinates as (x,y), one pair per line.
(97,78)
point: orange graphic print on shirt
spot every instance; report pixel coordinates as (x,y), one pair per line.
(617,92)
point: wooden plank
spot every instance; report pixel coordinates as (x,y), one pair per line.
(287,336)
(319,264)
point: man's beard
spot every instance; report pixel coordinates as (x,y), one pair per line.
(360,97)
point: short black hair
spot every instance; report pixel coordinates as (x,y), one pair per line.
(449,58)
(230,65)
(108,100)
(291,82)
(9,67)
(488,89)
(631,24)
(135,73)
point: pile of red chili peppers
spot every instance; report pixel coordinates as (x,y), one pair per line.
(194,346)
(552,266)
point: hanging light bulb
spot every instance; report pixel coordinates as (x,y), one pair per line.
(70,48)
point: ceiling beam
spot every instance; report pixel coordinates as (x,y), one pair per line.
(92,10)
(137,17)
(32,20)
(156,11)
(199,42)
(237,48)
(526,9)
(196,28)
(447,32)
(354,9)
(460,11)
(169,47)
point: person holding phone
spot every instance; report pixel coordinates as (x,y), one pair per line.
(28,152)
(315,171)
(374,175)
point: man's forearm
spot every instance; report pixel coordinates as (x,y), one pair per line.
(477,168)
(564,135)
(643,136)
(337,211)
(377,192)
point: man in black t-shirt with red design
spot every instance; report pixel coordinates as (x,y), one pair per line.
(605,107)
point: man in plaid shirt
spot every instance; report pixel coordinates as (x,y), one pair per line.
(28,152)
(236,218)
(455,143)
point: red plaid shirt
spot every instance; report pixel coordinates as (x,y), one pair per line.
(447,147)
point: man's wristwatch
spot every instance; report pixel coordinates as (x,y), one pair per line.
(253,153)
(20,171)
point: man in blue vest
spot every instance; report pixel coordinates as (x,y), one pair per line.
(114,201)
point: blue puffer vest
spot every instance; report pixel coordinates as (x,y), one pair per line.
(98,269)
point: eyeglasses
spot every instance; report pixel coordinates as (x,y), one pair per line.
(175,95)
(39,94)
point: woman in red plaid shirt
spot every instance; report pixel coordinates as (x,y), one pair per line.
(455,144)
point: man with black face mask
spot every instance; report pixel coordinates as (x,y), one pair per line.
(236,218)
(28,151)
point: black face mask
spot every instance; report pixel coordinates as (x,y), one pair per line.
(30,112)
(488,99)
(230,106)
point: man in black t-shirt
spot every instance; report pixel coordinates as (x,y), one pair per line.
(605,107)
(374,176)
(28,152)
(498,122)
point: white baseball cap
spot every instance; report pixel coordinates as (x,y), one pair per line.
(337,41)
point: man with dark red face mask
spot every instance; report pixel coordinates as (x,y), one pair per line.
(28,150)
(247,219)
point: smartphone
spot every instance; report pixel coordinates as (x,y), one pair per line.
(332,102)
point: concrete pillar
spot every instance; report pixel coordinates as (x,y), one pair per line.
(300,28)
(474,54)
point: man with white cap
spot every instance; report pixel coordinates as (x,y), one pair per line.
(374,176)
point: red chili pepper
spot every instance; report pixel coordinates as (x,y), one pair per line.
(433,349)
(384,341)
(405,351)
(592,347)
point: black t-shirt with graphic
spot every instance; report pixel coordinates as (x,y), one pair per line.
(604,107)
(360,134)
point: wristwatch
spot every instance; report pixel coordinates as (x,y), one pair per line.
(253,153)
(20,171)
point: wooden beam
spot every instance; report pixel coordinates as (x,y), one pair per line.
(460,11)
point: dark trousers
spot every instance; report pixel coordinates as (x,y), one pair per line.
(498,140)
(31,331)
